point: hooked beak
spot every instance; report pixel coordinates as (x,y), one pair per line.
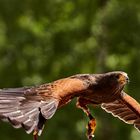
(127,79)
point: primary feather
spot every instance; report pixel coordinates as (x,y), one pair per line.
(20,110)
(126,109)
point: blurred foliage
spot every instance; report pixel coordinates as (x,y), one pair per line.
(44,40)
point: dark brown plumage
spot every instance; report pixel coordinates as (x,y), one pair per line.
(30,107)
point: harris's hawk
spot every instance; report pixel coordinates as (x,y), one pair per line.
(30,107)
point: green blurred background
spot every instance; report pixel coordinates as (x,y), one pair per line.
(44,40)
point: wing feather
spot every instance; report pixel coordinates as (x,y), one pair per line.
(126,109)
(22,107)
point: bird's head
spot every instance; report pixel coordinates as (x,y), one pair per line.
(108,81)
(117,78)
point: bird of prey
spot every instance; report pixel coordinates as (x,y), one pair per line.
(30,107)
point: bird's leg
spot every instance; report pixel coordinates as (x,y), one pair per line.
(39,128)
(35,134)
(82,104)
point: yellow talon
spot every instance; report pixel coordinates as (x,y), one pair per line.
(91,128)
(35,132)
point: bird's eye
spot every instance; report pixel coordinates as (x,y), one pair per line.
(117,76)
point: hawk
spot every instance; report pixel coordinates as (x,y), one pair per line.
(30,107)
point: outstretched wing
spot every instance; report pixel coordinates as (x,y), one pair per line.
(126,108)
(24,107)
